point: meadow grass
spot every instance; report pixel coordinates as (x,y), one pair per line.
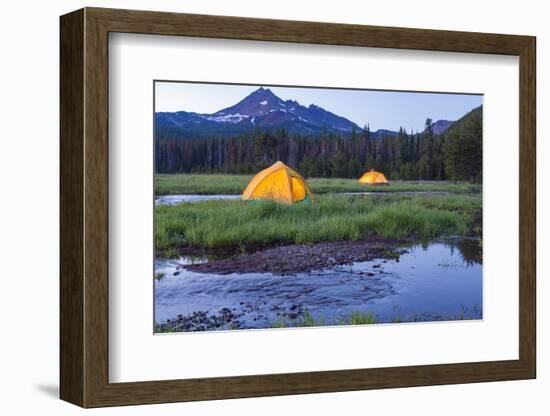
(235,184)
(328,185)
(201,184)
(236,223)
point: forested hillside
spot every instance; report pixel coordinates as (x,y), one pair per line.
(463,148)
(455,154)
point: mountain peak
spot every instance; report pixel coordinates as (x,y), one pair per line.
(259,102)
(263,109)
(264,92)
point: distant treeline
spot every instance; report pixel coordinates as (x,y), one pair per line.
(456,154)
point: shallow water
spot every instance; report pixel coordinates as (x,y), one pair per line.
(178,199)
(434,281)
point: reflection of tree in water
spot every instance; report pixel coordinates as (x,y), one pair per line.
(470,250)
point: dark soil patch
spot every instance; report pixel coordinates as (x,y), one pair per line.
(300,258)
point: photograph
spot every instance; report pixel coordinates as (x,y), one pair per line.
(312,206)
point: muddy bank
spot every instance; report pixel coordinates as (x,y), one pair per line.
(300,258)
(222,253)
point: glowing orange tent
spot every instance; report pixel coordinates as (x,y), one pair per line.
(278,183)
(373,177)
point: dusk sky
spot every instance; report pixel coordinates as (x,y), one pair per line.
(381,109)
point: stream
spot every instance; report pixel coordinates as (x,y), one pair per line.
(438,280)
(181,198)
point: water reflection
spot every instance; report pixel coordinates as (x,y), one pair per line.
(179,199)
(469,249)
(184,198)
(432,281)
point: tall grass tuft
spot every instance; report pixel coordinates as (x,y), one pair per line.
(222,224)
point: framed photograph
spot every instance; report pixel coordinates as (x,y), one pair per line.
(255,207)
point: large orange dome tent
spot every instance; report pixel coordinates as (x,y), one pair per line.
(373,177)
(278,183)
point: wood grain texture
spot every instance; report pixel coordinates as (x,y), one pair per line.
(96,208)
(527,207)
(225,27)
(71,100)
(84,207)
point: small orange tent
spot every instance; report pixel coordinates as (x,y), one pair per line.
(373,177)
(278,183)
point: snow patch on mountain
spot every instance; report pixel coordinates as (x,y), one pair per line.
(228,118)
(261,109)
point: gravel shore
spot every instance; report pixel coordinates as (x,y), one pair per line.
(300,258)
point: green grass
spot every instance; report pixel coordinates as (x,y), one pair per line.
(328,185)
(201,184)
(307,320)
(235,184)
(369,318)
(223,224)
(355,318)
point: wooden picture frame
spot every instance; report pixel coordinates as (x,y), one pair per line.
(84,207)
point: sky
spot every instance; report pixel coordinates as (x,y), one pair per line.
(380,109)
